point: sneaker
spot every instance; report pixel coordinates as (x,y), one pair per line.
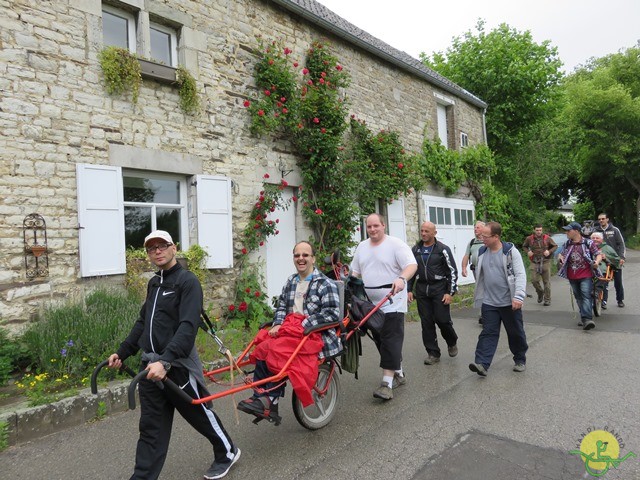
(580,324)
(431,360)
(540,297)
(383,392)
(219,470)
(589,324)
(604,305)
(399,381)
(621,304)
(261,407)
(519,367)
(479,369)
(453,350)
(546,304)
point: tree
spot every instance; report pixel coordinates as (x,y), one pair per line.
(603,111)
(519,80)
(509,71)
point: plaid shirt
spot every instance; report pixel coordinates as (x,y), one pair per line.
(321,305)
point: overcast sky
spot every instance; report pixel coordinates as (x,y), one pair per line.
(580,29)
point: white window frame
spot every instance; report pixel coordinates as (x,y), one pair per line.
(184,237)
(132,40)
(396,220)
(101,241)
(464,140)
(174,42)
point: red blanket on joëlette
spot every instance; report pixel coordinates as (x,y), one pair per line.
(276,351)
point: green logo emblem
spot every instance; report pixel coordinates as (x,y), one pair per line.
(600,450)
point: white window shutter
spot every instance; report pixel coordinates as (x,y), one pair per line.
(101,220)
(397,227)
(214,220)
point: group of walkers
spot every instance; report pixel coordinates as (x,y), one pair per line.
(166,328)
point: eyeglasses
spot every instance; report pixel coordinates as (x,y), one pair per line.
(487,236)
(161,246)
(303,255)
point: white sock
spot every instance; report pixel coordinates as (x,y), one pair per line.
(400,372)
(388,380)
(274,400)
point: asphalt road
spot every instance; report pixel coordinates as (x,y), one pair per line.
(446,423)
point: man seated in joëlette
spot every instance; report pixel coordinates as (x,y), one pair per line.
(308,299)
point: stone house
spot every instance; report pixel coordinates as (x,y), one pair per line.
(100,171)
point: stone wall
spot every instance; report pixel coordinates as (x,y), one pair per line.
(55,113)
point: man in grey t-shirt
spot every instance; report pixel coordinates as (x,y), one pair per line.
(501,283)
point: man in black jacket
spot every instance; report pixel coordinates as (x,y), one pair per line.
(434,285)
(165,332)
(613,238)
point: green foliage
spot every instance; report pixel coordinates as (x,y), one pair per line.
(603,128)
(13,354)
(261,227)
(137,263)
(633,241)
(101,411)
(250,308)
(196,257)
(4,436)
(442,166)
(308,106)
(73,338)
(188,91)
(509,71)
(122,71)
(584,211)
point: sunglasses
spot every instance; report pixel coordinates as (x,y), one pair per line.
(303,255)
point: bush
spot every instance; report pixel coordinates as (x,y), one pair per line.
(12,355)
(72,339)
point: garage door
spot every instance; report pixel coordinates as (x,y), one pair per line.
(454,219)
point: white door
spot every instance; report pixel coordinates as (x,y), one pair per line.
(454,219)
(397,227)
(278,249)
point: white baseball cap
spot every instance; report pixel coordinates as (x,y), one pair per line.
(158,234)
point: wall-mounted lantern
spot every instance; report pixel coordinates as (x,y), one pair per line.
(36,253)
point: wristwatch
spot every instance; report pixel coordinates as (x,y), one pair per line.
(404,280)
(166,365)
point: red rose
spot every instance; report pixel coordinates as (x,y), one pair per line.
(247,290)
(277,220)
(323,130)
(322,81)
(318,211)
(316,120)
(232,308)
(271,61)
(284,110)
(295,64)
(266,175)
(261,113)
(284,183)
(277,232)
(294,198)
(261,244)
(267,92)
(287,51)
(273,88)
(257,294)
(244,251)
(243,307)
(283,99)
(400,165)
(310,82)
(305,71)
(323,74)
(261,198)
(339,68)
(247,103)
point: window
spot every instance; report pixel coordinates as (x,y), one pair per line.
(164,45)
(440,215)
(464,140)
(118,28)
(117,209)
(155,202)
(463,216)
